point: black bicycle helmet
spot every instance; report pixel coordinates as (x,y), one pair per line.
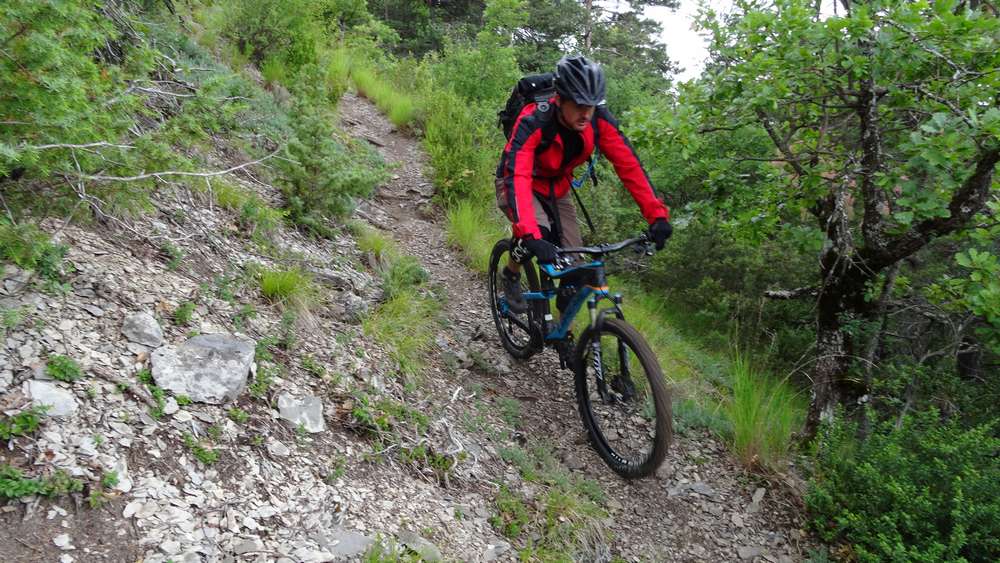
(580,80)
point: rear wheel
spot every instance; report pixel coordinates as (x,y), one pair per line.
(623,398)
(518,332)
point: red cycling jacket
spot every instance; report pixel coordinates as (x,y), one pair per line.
(524,168)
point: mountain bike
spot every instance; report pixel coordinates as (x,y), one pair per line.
(620,389)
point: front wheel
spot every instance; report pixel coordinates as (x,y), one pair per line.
(623,398)
(518,332)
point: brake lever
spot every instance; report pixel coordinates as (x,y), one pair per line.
(645,248)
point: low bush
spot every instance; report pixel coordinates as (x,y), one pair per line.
(403,274)
(14,484)
(22,423)
(63,368)
(322,176)
(30,248)
(928,490)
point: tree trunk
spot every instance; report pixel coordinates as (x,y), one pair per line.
(832,385)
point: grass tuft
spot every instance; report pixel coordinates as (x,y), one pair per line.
(764,413)
(372,242)
(401,274)
(475,230)
(404,324)
(294,288)
(398,107)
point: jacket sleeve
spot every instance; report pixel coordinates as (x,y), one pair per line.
(619,151)
(517,166)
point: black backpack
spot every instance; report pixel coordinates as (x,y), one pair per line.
(532,88)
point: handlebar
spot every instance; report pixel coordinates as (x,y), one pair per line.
(602,249)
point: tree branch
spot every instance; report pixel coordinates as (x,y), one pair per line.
(18,33)
(959,70)
(808,291)
(157,175)
(736,127)
(965,203)
(72,146)
(954,109)
(765,121)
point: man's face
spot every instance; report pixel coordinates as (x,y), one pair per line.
(573,115)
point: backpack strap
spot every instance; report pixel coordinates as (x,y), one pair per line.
(545,113)
(576,183)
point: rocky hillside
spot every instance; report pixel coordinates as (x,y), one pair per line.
(194,414)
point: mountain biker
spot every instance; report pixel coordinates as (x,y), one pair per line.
(536,168)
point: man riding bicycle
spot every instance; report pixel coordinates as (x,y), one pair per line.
(548,142)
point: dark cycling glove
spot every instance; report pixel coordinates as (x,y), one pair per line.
(660,231)
(543,250)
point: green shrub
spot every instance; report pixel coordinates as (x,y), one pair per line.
(63,368)
(173,253)
(52,83)
(403,274)
(323,176)
(13,484)
(183,313)
(273,29)
(21,424)
(202,450)
(463,145)
(30,248)
(926,491)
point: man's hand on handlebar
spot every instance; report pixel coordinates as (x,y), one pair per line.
(544,251)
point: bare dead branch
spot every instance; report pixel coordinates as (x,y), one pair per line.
(7,209)
(108,375)
(72,146)
(159,175)
(808,291)
(156,92)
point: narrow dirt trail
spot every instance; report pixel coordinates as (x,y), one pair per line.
(701,506)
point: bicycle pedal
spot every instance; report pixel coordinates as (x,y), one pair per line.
(565,350)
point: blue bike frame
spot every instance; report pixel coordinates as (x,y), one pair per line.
(585,294)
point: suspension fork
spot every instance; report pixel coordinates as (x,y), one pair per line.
(623,383)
